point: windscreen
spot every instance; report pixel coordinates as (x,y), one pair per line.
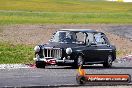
(64,37)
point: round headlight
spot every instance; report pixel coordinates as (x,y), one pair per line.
(68,50)
(36,48)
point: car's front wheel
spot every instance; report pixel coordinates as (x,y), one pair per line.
(108,62)
(40,64)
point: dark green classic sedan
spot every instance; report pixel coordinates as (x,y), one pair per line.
(75,47)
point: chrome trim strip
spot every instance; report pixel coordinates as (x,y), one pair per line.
(94,62)
(103,49)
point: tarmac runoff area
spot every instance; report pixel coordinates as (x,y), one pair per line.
(27,75)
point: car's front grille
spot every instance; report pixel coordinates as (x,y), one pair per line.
(52,53)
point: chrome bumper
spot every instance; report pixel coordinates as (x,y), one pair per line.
(49,61)
(65,61)
(39,59)
(58,61)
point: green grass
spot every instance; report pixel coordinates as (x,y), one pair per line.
(64,12)
(10,53)
(65,6)
(63,18)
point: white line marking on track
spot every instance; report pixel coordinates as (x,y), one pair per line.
(16,66)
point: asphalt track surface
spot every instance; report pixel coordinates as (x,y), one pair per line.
(57,75)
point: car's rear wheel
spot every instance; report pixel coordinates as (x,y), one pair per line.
(78,62)
(108,62)
(40,64)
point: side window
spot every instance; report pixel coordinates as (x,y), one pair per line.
(55,37)
(90,38)
(100,39)
(71,35)
(81,37)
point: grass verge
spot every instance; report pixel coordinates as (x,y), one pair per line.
(63,18)
(64,12)
(65,6)
(10,53)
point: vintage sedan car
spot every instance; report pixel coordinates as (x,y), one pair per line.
(75,47)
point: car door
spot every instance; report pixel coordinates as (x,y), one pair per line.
(91,53)
(97,47)
(91,48)
(102,48)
